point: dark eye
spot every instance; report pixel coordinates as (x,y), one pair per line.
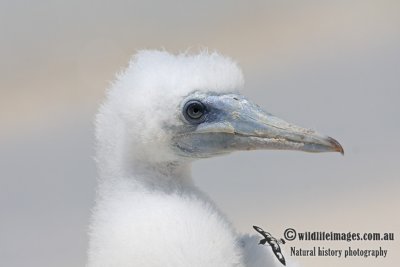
(194,111)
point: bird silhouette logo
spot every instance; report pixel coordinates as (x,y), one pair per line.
(273,242)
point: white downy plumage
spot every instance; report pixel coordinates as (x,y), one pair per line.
(161,113)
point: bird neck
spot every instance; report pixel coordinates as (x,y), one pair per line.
(165,176)
(155,176)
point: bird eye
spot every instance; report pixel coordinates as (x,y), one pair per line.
(194,111)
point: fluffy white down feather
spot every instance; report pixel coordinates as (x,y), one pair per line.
(148,211)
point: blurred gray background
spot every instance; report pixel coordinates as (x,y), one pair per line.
(329,65)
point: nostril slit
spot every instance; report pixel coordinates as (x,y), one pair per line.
(235,98)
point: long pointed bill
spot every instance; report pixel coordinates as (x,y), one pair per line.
(275,133)
(241,125)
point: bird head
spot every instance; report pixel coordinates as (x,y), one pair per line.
(166,108)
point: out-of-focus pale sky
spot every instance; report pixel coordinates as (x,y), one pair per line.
(329,65)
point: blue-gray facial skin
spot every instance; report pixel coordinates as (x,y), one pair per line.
(215,124)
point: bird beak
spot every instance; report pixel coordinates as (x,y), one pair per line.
(251,128)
